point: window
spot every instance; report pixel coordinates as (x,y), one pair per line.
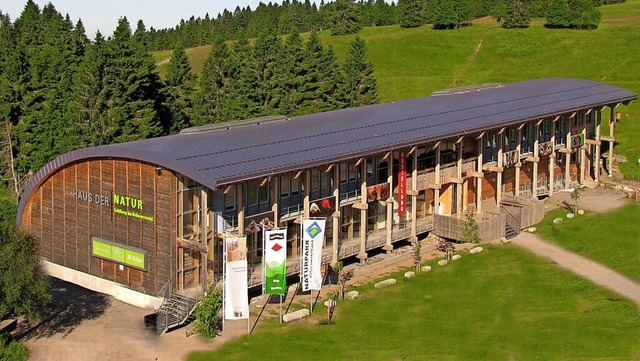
(230,199)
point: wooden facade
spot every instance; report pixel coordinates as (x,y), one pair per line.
(78,203)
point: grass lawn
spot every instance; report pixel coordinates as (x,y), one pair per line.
(503,304)
(612,239)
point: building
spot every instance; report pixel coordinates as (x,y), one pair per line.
(128,219)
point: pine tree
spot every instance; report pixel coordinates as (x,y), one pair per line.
(291,73)
(267,50)
(583,14)
(345,18)
(91,95)
(241,100)
(517,15)
(132,88)
(452,14)
(411,13)
(558,14)
(362,88)
(214,80)
(178,92)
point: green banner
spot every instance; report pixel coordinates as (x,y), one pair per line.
(118,253)
(276,278)
(275,251)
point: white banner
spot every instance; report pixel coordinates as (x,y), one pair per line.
(312,241)
(236,299)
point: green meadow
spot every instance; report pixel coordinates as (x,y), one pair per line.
(502,304)
(612,239)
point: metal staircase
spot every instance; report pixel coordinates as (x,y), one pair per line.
(176,310)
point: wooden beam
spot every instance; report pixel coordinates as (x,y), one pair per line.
(183,243)
(556,118)
(437,144)
(502,130)
(591,141)
(228,189)
(607,138)
(532,159)
(264,181)
(460,139)
(573,114)
(564,150)
(329,168)
(433,185)
(387,156)
(482,133)
(359,161)
(413,192)
(521,126)
(298,174)
(588,111)
(457,180)
(360,205)
(540,121)
(413,150)
(493,168)
(475,174)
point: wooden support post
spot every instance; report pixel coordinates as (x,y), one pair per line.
(500,165)
(518,165)
(414,197)
(611,140)
(389,246)
(363,211)
(567,159)
(436,192)
(536,154)
(597,158)
(336,215)
(240,208)
(552,158)
(479,180)
(459,175)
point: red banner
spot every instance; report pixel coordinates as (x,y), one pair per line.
(402,184)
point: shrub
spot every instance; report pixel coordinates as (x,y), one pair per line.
(208,314)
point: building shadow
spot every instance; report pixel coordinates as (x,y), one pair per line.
(70,306)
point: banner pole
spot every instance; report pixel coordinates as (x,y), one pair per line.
(281,308)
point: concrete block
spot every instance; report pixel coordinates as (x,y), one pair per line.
(532,229)
(352,295)
(296,315)
(475,250)
(456,257)
(570,215)
(409,274)
(426,268)
(557,221)
(581,211)
(385,283)
(442,262)
(329,303)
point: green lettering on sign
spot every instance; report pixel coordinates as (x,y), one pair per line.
(119,253)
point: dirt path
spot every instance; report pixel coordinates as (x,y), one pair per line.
(581,266)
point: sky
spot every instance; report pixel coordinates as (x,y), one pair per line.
(103,15)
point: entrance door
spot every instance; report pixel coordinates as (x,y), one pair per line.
(189,269)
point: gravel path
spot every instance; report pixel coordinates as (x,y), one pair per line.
(581,266)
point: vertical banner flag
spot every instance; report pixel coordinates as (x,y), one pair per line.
(236,299)
(275,262)
(402,184)
(312,240)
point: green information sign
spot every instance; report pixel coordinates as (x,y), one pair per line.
(119,253)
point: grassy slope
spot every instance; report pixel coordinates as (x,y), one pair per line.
(617,248)
(492,306)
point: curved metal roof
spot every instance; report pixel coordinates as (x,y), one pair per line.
(235,153)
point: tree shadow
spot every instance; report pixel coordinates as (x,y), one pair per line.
(70,306)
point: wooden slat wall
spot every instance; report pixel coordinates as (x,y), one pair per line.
(65,225)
